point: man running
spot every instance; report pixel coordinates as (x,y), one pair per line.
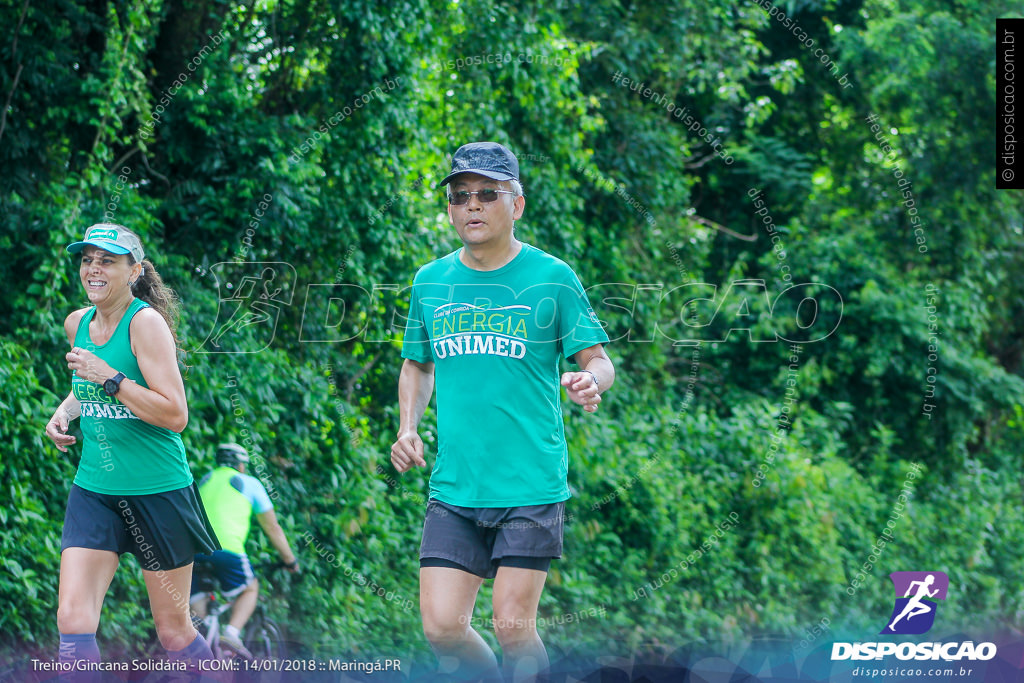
(489,322)
(231,497)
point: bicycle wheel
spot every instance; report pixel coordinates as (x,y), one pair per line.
(265,640)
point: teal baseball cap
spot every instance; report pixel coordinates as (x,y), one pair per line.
(116,239)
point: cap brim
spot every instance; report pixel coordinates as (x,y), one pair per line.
(76,247)
(493,175)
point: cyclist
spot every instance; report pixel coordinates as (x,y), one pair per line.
(231,497)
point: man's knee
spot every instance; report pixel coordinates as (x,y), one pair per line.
(443,631)
(513,626)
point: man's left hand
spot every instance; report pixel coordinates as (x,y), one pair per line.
(582,389)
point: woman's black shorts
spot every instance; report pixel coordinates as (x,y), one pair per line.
(163,530)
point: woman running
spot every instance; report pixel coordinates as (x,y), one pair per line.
(133,491)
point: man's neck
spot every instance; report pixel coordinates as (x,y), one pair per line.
(490,256)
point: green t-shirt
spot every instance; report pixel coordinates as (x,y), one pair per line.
(495,338)
(122,454)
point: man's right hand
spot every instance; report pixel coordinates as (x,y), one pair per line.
(407,451)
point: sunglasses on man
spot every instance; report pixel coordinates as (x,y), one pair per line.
(487,196)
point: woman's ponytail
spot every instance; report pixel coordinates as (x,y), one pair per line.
(150,288)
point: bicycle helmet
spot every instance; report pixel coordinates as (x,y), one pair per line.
(231,454)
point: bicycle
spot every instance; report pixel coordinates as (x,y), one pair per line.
(263,638)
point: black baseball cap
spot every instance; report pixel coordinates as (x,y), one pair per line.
(489,159)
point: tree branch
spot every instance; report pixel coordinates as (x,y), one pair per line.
(722,228)
(7,104)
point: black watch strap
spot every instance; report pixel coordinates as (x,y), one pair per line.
(113,385)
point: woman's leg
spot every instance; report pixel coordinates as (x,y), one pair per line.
(85,576)
(168,598)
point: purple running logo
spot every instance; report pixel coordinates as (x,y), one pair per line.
(917,594)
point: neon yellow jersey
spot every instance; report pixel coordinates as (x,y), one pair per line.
(231,498)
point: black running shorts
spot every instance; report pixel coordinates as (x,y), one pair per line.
(163,530)
(480,540)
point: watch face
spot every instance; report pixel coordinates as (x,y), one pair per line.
(112,385)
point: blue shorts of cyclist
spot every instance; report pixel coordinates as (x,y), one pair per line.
(233,571)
